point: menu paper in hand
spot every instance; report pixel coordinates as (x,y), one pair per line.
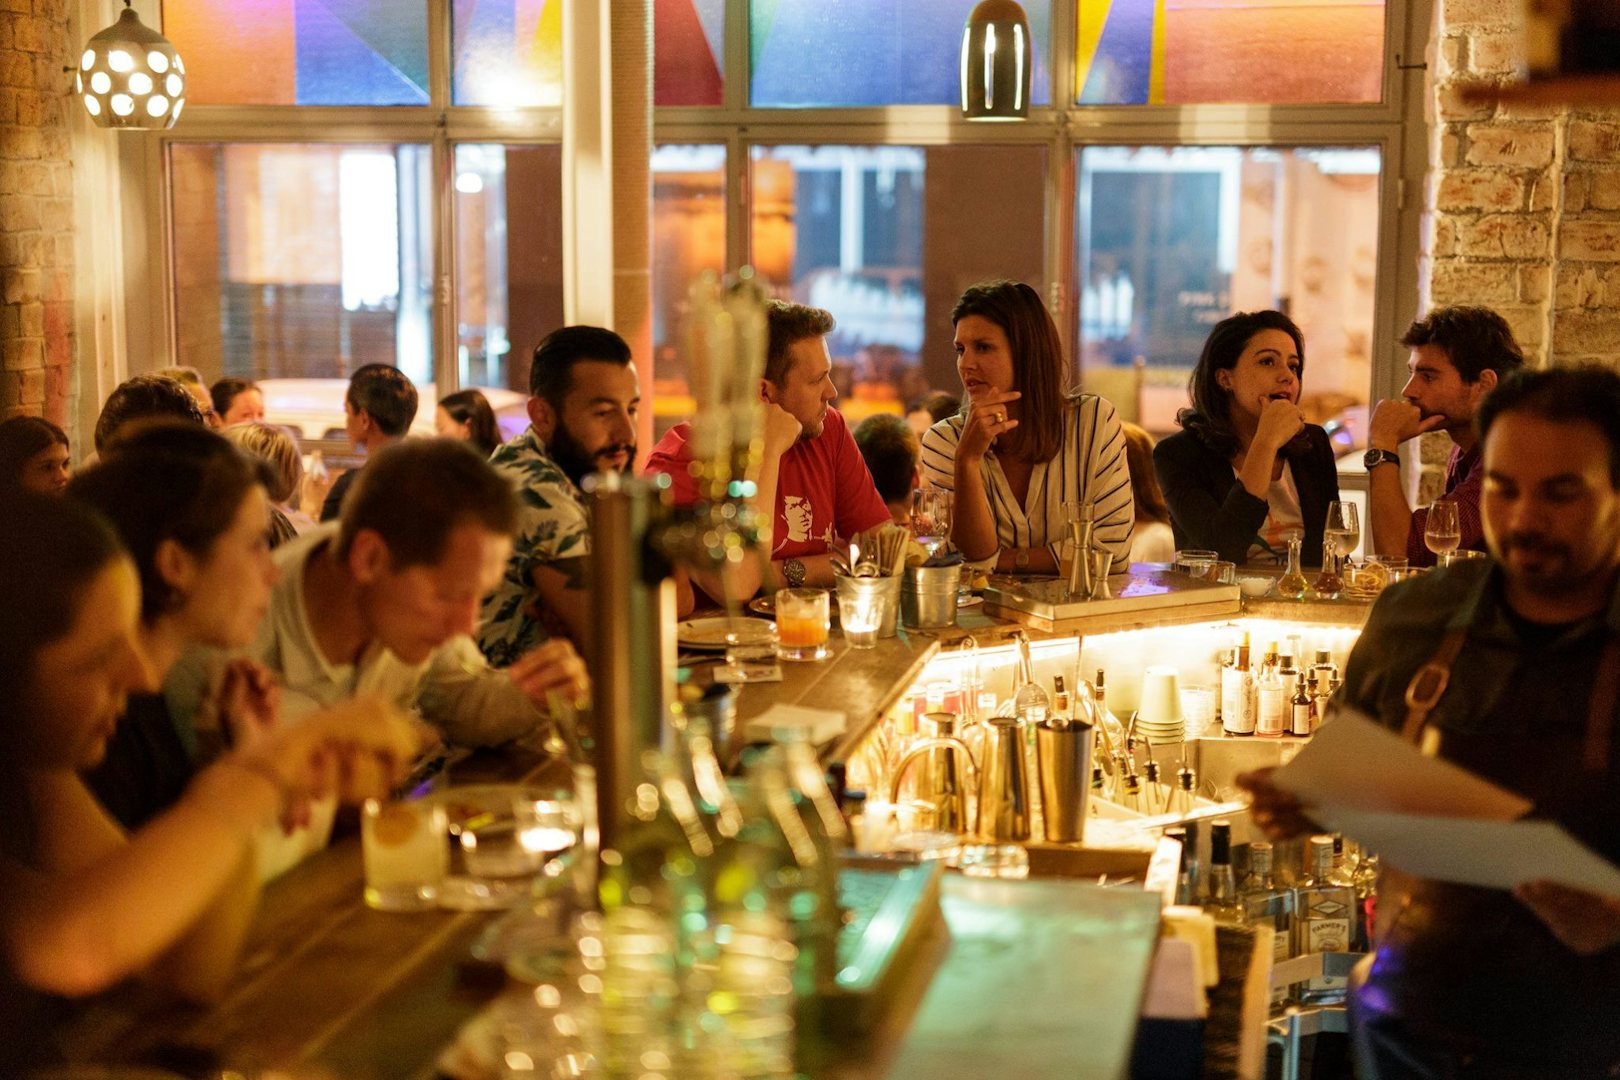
(1491,854)
(1432,818)
(1353,763)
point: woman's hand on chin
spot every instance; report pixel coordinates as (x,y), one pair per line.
(1280,420)
(986,419)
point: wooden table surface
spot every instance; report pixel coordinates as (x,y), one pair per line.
(330,988)
(324,980)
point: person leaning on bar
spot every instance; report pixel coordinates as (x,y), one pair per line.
(1458,354)
(1027,443)
(1246,469)
(1469,981)
(82,904)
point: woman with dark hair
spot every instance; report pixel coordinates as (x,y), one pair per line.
(193,513)
(1246,470)
(82,904)
(466,415)
(34,455)
(1027,443)
(237,401)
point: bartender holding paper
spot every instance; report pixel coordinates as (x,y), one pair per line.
(1510,668)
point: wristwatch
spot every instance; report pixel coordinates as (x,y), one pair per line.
(793,570)
(1375,457)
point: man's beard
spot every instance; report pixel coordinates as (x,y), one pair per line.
(577,463)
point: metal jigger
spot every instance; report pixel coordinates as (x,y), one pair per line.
(1082,519)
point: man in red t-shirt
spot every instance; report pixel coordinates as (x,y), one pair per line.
(812,472)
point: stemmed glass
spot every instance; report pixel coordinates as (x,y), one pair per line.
(1340,535)
(931,518)
(1442,532)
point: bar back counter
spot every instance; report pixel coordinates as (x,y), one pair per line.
(1027,978)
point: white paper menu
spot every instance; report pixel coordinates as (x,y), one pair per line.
(1430,817)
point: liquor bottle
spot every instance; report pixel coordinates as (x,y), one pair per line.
(1292,585)
(1302,720)
(1099,790)
(805,883)
(1061,705)
(1185,893)
(1191,864)
(1271,697)
(1155,793)
(1183,795)
(1237,692)
(1130,790)
(1343,873)
(1108,724)
(1267,908)
(1324,921)
(1222,901)
(1324,666)
(1318,695)
(1031,704)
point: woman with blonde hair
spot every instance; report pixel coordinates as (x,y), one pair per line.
(277,447)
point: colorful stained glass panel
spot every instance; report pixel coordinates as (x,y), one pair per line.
(301,52)
(688,42)
(819,53)
(1184,52)
(508,53)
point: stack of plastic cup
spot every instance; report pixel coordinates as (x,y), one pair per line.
(1159,715)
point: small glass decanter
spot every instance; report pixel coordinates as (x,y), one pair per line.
(1292,585)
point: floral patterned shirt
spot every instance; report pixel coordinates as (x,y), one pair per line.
(553,525)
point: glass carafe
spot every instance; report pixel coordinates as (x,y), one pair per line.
(1292,585)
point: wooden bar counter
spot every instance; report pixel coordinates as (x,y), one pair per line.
(1029,979)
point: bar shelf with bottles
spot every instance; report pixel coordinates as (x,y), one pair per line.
(1181,702)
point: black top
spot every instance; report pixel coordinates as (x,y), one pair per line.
(147,764)
(1473,968)
(1211,509)
(332,506)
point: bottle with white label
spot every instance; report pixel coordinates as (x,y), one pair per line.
(1324,920)
(1268,909)
(1237,692)
(1272,695)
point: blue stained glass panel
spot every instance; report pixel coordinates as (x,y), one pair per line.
(820,53)
(359,52)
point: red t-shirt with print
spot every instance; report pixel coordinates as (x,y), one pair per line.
(824,490)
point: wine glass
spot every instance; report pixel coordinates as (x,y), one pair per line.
(1441,530)
(1340,535)
(1342,532)
(931,518)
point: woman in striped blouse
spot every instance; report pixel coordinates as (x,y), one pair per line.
(1025,443)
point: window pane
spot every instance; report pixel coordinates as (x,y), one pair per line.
(507,52)
(1172,240)
(1139,52)
(301,261)
(509,281)
(301,52)
(689,237)
(886,238)
(871,52)
(688,42)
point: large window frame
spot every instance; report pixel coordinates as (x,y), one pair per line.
(1395,126)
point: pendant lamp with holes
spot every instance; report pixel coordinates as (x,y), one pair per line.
(131,77)
(997,59)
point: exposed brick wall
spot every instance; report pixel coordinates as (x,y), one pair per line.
(36,210)
(1523,203)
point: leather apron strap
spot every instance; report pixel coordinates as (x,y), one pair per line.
(1429,682)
